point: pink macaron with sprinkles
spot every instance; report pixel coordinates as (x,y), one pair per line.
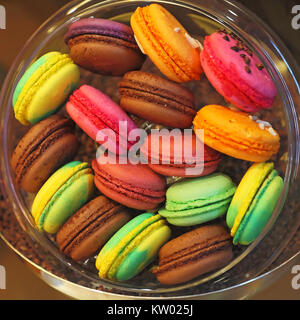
(101,119)
(236,72)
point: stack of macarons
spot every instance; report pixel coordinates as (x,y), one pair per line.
(122,213)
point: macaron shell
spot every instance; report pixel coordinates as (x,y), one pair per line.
(133,185)
(154,28)
(89,228)
(194,253)
(129,199)
(189,271)
(47,89)
(226,70)
(173,171)
(116,244)
(99,26)
(199,238)
(191,217)
(191,193)
(157,99)
(95,240)
(30,71)
(198,200)
(180,154)
(105,55)
(94,111)
(53,93)
(62,151)
(67,200)
(144,251)
(44,148)
(236,134)
(154,112)
(259,212)
(246,191)
(104,46)
(52,185)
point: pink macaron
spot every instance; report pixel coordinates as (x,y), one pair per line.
(181,154)
(101,119)
(236,72)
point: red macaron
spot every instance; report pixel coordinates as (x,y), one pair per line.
(133,185)
(179,154)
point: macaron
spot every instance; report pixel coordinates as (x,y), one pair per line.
(101,118)
(194,253)
(156,99)
(88,229)
(44,87)
(179,154)
(133,247)
(254,202)
(47,146)
(166,42)
(67,190)
(104,46)
(236,72)
(198,200)
(133,185)
(237,134)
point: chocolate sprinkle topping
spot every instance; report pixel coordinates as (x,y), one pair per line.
(236,49)
(248,69)
(260,66)
(226,38)
(247,60)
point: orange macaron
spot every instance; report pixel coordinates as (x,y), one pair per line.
(167,43)
(236,133)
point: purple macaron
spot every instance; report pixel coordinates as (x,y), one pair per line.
(103,46)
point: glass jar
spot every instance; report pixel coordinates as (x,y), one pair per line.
(247,272)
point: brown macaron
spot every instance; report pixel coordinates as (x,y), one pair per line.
(103,46)
(89,228)
(47,146)
(194,253)
(159,100)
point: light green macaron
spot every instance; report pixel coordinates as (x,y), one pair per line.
(68,189)
(133,247)
(44,87)
(198,200)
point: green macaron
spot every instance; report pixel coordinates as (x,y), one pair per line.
(68,189)
(133,247)
(254,202)
(198,200)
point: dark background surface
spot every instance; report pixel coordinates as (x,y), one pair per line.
(23,18)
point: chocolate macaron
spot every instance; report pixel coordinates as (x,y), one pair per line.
(104,46)
(89,228)
(159,100)
(194,253)
(47,146)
